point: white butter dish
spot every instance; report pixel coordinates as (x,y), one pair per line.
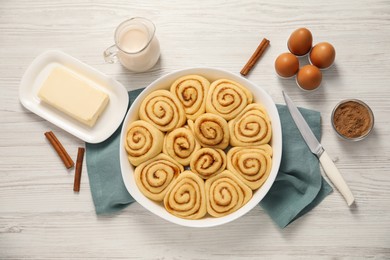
(109,120)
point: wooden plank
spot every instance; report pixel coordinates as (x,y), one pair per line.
(41,217)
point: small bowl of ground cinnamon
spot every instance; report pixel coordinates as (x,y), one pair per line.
(352,119)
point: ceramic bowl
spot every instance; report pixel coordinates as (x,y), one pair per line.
(211,74)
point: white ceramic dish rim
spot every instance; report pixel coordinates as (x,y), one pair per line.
(212,74)
(110,119)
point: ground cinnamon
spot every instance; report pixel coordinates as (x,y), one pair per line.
(352,119)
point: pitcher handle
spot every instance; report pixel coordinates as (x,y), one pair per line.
(110,54)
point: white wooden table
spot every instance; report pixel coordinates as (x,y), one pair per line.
(41,217)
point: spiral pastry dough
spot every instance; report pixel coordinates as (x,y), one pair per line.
(186,198)
(227,98)
(155,176)
(266,148)
(208,162)
(143,142)
(162,109)
(191,91)
(252,165)
(251,127)
(211,131)
(225,194)
(180,144)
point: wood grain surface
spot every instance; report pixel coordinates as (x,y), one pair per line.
(42,218)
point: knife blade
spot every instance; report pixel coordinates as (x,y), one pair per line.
(316,148)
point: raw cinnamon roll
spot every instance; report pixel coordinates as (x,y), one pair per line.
(191,91)
(155,176)
(252,165)
(266,148)
(227,98)
(251,127)
(143,142)
(208,162)
(180,144)
(186,198)
(190,125)
(162,109)
(211,131)
(225,194)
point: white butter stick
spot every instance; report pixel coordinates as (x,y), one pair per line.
(71,94)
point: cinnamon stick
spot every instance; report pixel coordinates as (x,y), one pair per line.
(255,57)
(79,168)
(68,162)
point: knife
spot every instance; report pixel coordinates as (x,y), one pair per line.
(316,148)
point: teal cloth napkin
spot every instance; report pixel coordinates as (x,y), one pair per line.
(104,171)
(298,187)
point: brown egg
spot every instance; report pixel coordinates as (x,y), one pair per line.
(300,42)
(309,77)
(322,55)
(286,65)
